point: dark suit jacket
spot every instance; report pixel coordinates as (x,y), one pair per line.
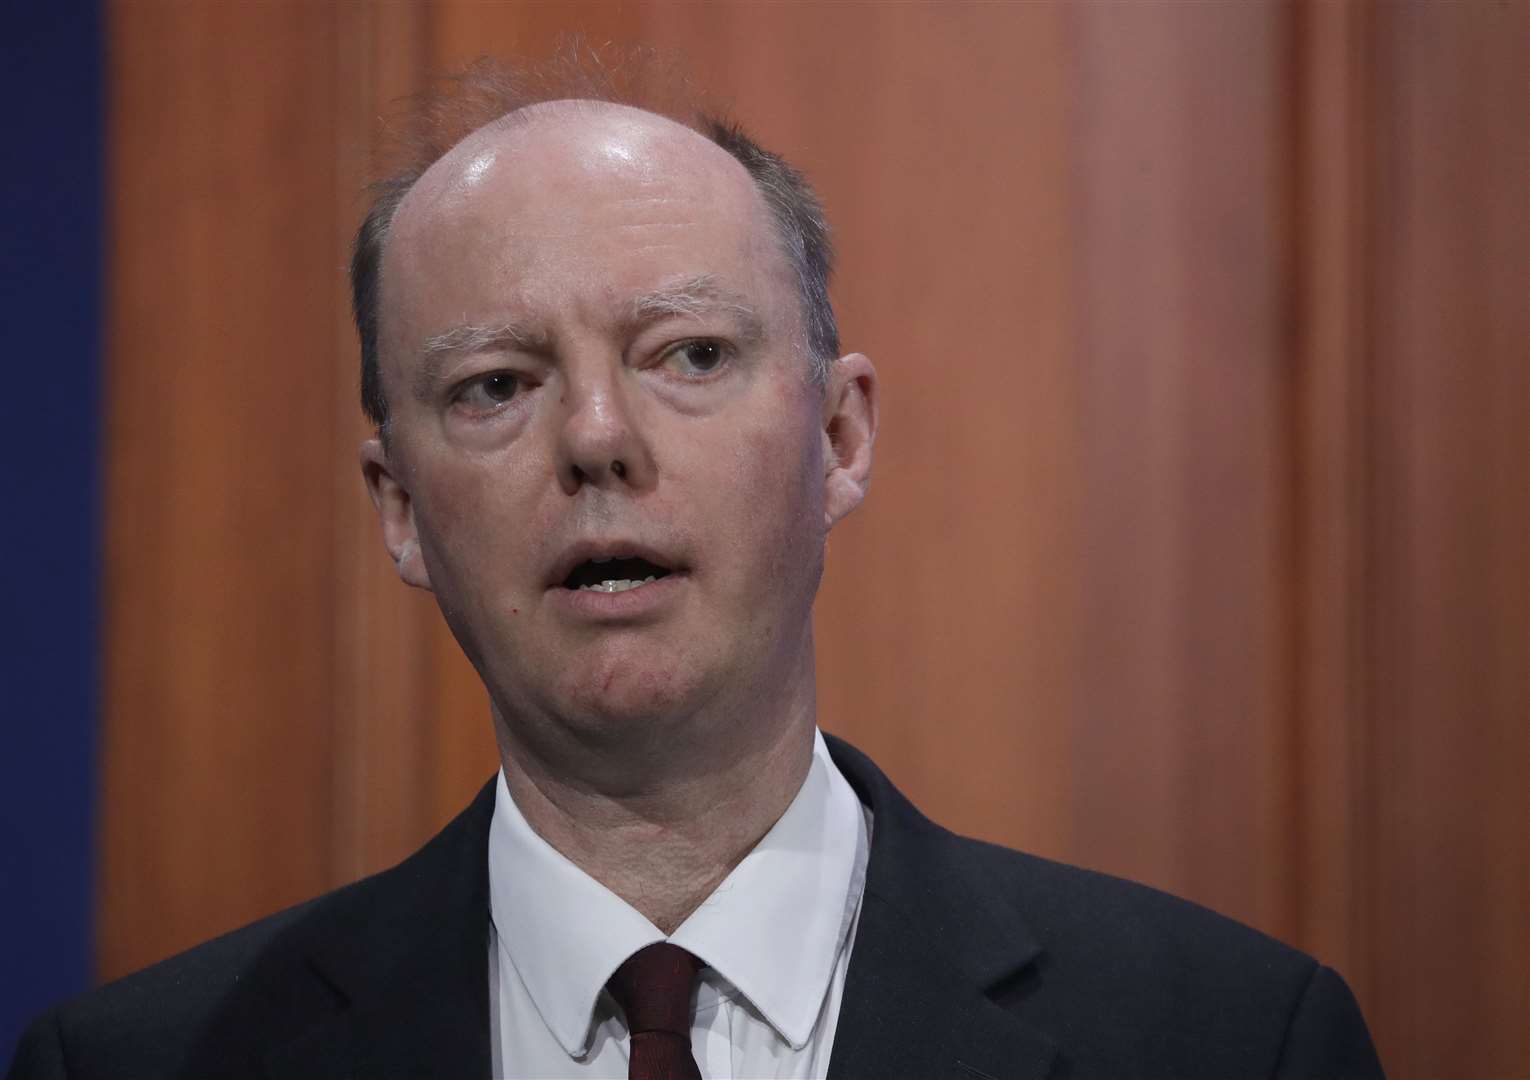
(970,961)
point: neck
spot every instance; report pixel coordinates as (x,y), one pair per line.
(664,843)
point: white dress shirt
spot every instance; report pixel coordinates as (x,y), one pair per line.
(775,939)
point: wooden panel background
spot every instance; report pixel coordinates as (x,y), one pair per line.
(1199,549)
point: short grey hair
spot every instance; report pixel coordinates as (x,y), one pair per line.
(488,91)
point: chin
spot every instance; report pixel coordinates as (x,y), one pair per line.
(618,695)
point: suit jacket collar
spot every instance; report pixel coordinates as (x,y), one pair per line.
(407,956)
(931,944)
(407,959)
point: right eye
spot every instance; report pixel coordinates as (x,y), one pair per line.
(488,391)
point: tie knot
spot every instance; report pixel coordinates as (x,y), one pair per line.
(654,988)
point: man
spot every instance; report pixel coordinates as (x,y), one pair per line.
(614,432)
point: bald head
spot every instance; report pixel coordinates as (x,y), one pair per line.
(573,141)
(540,152)
(539,204)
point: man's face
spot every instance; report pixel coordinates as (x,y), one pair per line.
(590,349)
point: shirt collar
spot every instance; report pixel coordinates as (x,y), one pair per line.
(773,928)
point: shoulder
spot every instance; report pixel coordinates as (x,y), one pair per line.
(1125,979)
(215,1009)
(154,1021)
(1176,983)
(1135,934)
(1061,910)
(1138,927)
(148,1023)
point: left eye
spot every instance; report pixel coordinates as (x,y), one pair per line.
(700,357)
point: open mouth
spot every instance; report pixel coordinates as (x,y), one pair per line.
(613,575)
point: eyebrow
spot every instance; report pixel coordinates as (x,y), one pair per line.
(466,339)
(693,297)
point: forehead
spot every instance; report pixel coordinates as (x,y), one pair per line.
(567,203)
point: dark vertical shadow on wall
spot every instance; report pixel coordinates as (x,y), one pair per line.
(50,408)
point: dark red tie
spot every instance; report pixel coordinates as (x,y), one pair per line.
(654,989)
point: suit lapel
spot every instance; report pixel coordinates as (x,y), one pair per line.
(929,945)
(408,956)
(426,1019)
(404,1036)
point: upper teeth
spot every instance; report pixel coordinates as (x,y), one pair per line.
(621,585)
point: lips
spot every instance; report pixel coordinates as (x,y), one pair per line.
(610,566)
(614,575)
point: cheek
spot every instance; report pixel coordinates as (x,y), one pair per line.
(775,489)
(476,522)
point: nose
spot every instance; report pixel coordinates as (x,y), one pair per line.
(601,441)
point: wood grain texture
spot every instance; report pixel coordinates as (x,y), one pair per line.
(219,663)
(1199,544)
(1329,328)
(1449,512)
(1178,755)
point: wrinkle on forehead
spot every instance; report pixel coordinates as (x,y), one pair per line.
(556,173)
(527,162)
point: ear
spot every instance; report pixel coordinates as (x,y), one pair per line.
(849,429)
(395,513)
